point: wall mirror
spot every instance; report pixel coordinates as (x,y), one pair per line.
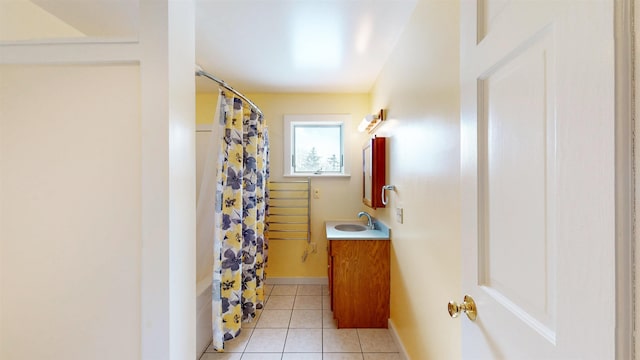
(373,169)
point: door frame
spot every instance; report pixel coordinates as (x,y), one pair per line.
(624,178)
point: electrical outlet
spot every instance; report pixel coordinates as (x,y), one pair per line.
(399,215)
(316,193)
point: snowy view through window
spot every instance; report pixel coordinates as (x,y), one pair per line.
(317,148)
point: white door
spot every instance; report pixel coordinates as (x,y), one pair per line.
(537,133)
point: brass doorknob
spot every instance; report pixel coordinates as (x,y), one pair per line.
(468,307)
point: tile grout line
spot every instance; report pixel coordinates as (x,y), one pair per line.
(322,328)
(286,336)
(264,305)
(322,325)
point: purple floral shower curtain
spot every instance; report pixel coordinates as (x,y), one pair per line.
(240,248)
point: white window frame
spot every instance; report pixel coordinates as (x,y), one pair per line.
(314,119)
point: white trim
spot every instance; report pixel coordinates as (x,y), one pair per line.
(396,338)
(297,281)
(323,119)
(167,56)
(624,180)
(70,40)
(69,53)
(332,175)
(204,127)
(636,174)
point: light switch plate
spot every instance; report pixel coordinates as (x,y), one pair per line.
(399,215)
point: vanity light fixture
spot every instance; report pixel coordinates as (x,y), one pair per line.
(371,121)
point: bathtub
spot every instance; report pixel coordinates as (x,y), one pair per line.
(204,334)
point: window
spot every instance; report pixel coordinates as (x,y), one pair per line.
(314,145)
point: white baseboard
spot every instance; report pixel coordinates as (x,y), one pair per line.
(396,339)
(297,280)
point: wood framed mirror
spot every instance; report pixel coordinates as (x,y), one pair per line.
(373,171)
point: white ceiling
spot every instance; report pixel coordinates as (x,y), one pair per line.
(269,45)
(298,45)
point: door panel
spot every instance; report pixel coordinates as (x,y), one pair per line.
(537,178)
(516,157)
(488,11)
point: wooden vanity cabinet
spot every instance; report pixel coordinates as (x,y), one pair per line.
(359,283)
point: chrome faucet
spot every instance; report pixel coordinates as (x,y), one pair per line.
(369,221)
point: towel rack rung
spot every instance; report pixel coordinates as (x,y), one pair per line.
(288,207)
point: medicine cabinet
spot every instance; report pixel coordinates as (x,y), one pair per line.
(373,168)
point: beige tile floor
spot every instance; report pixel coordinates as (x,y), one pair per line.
(297,324)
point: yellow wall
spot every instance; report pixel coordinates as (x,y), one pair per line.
(205,107)
(419,87)
(340,198)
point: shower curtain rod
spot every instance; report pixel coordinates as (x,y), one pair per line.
(200,72)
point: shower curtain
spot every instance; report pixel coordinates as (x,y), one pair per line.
(239,247)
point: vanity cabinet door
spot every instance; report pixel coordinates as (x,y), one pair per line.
(360,283)
(330,274)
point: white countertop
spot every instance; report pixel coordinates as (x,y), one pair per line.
(381,232)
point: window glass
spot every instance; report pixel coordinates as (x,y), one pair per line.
(314,145)
(317,148)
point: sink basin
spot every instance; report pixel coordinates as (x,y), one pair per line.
(350,227)
(355,230)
